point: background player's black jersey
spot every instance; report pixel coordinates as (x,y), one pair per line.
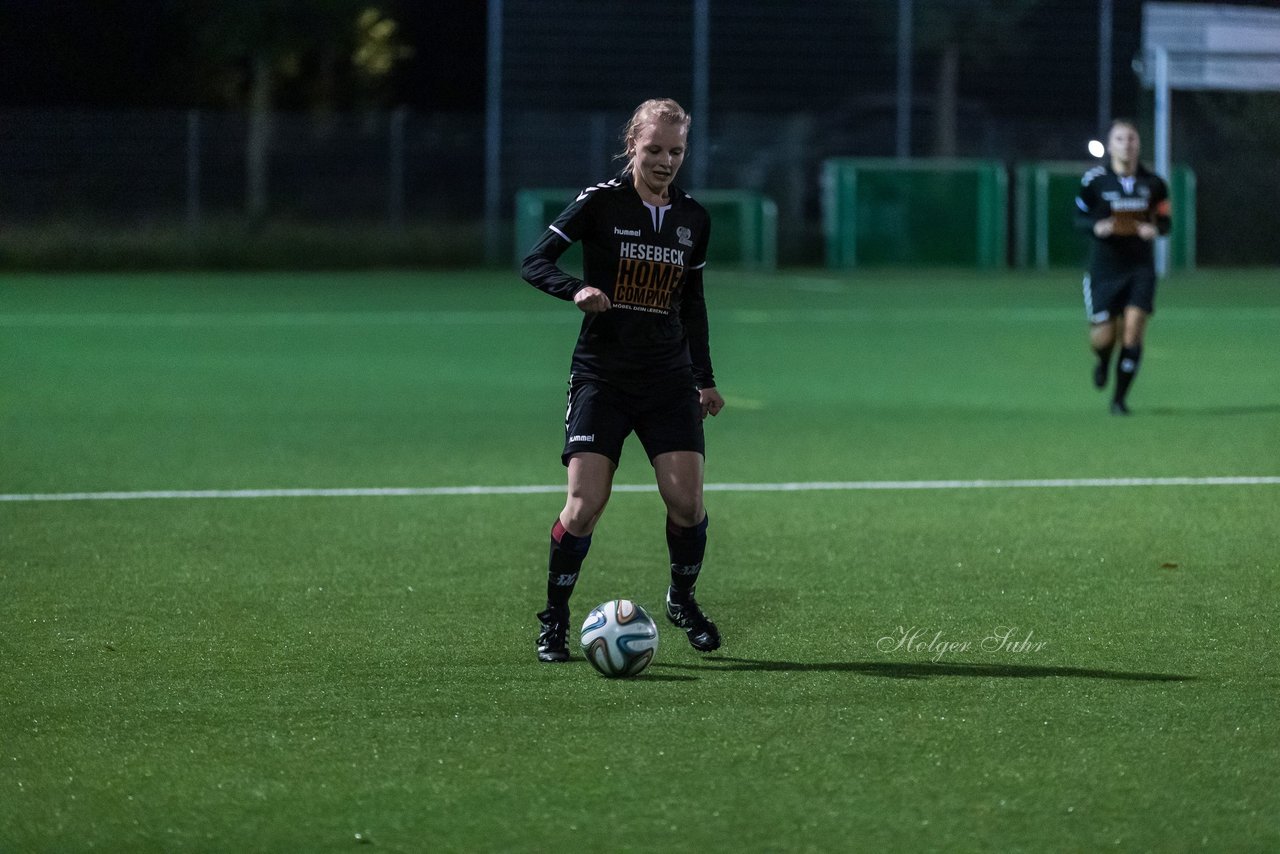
(649,262)
(1140,197)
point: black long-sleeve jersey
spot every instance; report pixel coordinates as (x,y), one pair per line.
(1141,197)
(648,260)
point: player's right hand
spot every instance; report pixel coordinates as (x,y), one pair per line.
(592,300)
(1104,227)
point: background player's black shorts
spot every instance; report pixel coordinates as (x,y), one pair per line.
(1106,296)
(601,416)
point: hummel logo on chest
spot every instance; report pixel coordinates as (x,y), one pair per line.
(626,232)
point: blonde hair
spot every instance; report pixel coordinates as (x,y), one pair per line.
(650,112)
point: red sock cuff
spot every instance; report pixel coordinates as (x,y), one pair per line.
(563,539)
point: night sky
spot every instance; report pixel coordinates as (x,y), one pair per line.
(131,53)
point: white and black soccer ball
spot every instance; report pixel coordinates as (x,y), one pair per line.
(619,638)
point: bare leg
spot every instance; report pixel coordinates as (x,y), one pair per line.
(679,476)
(1135,326)
(590,484)
(1102,338)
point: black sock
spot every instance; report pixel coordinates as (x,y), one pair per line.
(563,565)
(686,547)
(1127,368)
(1103,354)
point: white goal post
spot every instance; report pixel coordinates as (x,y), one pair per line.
(1206,47)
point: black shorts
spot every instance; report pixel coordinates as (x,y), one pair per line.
(601,416)
(1106,297)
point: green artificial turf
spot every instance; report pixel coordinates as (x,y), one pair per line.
(357,673)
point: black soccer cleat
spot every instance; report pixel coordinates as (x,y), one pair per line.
(1100,375)
(684,613)
(1118,408)
(552,645)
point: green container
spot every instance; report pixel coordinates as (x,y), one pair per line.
(879,211)
(1044,216)
(744,226)
(744,229)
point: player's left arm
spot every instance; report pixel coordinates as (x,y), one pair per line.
(1163,207)
(693,317)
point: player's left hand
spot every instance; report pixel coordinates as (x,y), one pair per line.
(592,300)
(711,401)
(1147,231)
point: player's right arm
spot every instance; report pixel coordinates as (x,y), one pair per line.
(1092,213)
(539,268)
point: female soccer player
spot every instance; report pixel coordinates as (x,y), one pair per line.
(1125,206)
(642,363)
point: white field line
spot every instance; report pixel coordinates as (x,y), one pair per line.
(463,317)
(185,320)
(811,486)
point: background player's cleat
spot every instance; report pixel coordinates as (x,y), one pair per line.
(1118,408)
(684,613)
(552,645)
(1100,375)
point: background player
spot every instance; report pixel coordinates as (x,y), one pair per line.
(1125,206)
(642,362)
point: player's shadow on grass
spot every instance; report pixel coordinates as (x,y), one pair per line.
(926,670)
(1256,409)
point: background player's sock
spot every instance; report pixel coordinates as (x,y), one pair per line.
(1104,362)
(686,547)
(563,565)
(1126,369)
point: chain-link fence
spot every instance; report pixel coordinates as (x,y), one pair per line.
(120,167)
(788,86)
